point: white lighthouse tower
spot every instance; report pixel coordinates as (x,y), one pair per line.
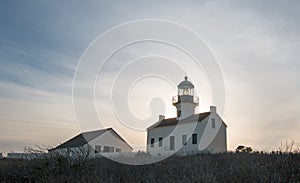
(185,101)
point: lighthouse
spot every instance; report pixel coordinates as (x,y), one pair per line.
(189,132)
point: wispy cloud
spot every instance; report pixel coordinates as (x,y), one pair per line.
(256,43)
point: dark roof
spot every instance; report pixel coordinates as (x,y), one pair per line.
(185,83)
(85,137)
(174,121)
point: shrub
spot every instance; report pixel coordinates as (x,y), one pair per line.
(228,167)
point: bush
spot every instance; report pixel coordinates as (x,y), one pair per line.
(230,167)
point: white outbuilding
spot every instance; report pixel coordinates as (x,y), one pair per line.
(187,133)
(104,141)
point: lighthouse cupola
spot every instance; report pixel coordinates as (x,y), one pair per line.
(185,101)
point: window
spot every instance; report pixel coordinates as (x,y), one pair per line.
(118,150)
(178,113)
(194,138)
(152,142)
(213,123)
(172,142)
(184,140)
(97,149)
(160,141)
(108,149)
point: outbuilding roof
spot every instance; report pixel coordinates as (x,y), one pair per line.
(85,137)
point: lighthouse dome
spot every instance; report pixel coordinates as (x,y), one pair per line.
(185,84)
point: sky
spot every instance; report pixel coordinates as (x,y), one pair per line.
(256,44)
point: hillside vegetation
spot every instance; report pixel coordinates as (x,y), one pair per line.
(230,167)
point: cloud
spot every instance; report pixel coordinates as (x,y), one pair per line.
(255,42)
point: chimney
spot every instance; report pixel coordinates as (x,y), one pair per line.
(161,117)
(213,109)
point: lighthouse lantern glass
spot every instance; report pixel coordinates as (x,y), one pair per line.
(186,91)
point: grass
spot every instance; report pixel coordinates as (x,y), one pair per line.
(230,167)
